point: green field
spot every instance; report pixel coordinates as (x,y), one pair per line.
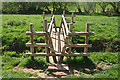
(105,45)
(14,29)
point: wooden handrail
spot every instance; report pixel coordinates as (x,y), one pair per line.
(65,24)
(50,26)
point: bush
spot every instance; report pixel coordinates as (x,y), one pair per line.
(12,54)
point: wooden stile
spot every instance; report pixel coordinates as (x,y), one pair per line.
(68,33)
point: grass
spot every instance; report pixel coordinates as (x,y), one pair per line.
(91,62)
(14,37)
(14,29)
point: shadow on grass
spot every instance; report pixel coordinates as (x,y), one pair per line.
(79,63)
(37,63)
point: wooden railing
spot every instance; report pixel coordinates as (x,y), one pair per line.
(68,33)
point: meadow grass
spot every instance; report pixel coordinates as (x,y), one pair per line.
(14,29)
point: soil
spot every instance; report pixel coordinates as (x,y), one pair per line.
(60,73)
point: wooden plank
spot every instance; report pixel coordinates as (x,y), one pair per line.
(86,38)
(36,33)
(70,37)
(54,24)
(65,24)
(57,54)
(80,33)
(69,22)
(38,45)
(64,31)
(70,16)
(47,21)
(50,27)
(64,12)
(58,67)
(43,15)
(31,39)
(78,45)
(47,15)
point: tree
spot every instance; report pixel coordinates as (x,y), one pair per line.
(103,5)
(115,6)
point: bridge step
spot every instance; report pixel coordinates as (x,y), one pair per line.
(38,44)
(58,54)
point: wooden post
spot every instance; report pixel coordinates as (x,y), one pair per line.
(31,40)
(51,13)
(72,17)
(70,37)
(46,37)
(54,24)
(43,15)
(86,38)
(64,13)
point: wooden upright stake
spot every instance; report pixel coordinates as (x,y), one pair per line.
(70,37)
(43,15)
(72,17)
(64,12)
(51,13)
(46,37)
(55,24)
(31,40)
(86,38)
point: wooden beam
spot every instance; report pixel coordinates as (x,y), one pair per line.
(78,45)
(47,15)
(37,45)
(69,22)
(36,33)
(57,54)
(80,33)
(47,21)
(70,16)
(31,39)
(50,27)
(86,38)
(43,15)
(65,24)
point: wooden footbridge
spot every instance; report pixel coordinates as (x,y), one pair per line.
(58,40)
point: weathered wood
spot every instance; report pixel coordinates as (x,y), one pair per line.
(61,24)
(70,37)
(64,31)
(65,24)
(78,45)
(64,13)
(54,24)
(46,38)
(70,16)
(47,15)
(36,33)
(38,45)
(70,22)
(58,67)
(57,54)
(86,38)
(80,33)
(51,13)
(43,15)
(31,39)
(47,21)
(50,27)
